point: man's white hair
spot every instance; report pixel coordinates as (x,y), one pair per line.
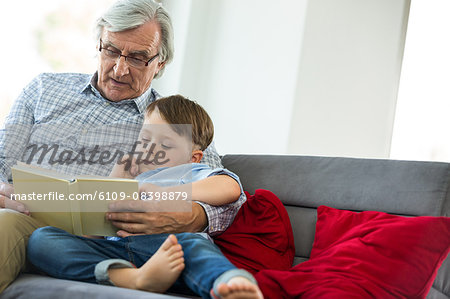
(129,14)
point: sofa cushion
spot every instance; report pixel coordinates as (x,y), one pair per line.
(44,287)
(367,254)
(260,236)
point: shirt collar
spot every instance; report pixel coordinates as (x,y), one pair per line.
(141,102)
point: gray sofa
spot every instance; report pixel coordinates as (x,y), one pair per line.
(303,183)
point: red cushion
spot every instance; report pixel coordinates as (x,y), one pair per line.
(367,254)
(260,236)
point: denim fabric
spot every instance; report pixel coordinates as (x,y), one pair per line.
(227,276)
(66,256)
(101,270)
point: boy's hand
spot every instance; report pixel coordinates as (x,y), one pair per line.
(125,168)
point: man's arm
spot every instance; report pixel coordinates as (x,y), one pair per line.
(132,223)
(203,216)
(13,140)
(211,157)
(220,217)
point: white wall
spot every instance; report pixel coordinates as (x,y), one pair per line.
(315,77)
(238,63)
(180,12)
(348,78)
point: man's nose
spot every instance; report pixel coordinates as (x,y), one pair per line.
(121,67)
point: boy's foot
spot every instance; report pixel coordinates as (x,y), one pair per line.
(163,268)
(239,287)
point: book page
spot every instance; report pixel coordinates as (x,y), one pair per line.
(38,192)
(76,205)
(99,194)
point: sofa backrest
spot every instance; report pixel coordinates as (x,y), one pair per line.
(303,183)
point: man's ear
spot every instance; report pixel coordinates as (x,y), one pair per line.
(197,156)
(160,66)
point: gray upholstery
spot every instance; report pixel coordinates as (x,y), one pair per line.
(40,287)
(398,187)
(304,183)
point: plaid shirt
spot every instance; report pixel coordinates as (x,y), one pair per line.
(67,111)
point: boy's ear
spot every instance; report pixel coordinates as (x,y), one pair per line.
(197,156)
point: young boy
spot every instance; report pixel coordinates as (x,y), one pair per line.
(182,259)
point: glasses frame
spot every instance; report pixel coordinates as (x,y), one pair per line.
(146,63)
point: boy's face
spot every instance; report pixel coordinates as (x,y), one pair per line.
(161,146)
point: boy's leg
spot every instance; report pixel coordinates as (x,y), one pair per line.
(231,285)
(207,267)
(15,230)
(157,275)
(63,255)
(66,256)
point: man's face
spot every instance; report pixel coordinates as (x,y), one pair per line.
(117,80)
(157,136)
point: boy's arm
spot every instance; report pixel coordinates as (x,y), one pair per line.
(220,187)
(216,187)
(216,190)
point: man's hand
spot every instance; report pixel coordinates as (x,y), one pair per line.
(5,199)
(146,223)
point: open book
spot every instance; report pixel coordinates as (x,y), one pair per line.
(76,204)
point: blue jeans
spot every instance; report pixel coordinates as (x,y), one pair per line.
(66,256)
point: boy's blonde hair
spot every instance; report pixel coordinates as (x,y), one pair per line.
(177,109)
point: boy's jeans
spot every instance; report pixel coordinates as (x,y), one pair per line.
(63,255)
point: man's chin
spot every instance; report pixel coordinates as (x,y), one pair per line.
(116,95)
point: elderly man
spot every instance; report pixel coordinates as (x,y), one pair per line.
(135,42)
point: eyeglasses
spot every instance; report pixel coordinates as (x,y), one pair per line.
(115,54)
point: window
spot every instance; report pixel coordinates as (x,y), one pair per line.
(422,124)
